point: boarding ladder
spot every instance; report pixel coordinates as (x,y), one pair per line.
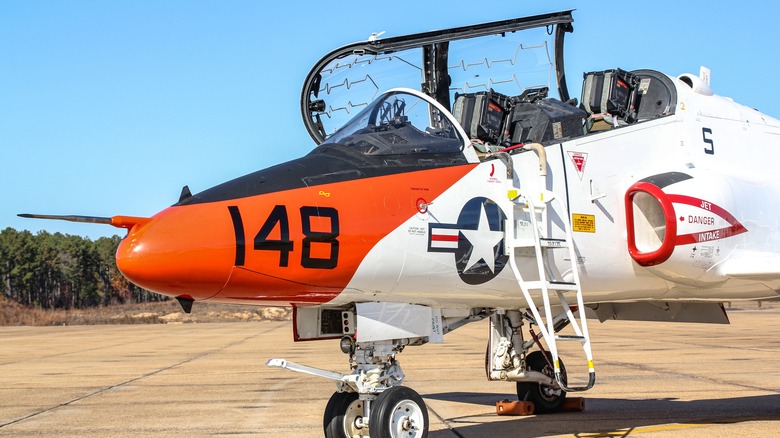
(526,231)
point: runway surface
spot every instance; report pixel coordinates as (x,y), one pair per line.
(653,379)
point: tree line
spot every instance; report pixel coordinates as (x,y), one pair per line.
(61,271)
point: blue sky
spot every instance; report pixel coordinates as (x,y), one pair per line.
(111,107)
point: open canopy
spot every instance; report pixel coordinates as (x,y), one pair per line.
(508,56)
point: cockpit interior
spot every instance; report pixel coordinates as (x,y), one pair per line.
(502,82)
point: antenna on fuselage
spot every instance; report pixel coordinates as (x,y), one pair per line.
(704,75)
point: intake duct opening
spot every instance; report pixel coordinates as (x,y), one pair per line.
(650,224)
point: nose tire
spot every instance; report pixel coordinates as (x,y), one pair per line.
(399,412)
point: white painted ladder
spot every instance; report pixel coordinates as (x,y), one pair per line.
(527,228)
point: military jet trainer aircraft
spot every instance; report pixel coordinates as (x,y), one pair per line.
(455,179)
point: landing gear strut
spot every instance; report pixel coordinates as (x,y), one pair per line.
(509,359)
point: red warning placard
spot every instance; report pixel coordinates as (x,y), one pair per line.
(579,159)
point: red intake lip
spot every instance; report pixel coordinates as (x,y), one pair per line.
(665,250)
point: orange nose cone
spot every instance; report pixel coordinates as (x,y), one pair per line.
(181,251)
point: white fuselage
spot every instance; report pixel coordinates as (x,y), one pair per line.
(728,151)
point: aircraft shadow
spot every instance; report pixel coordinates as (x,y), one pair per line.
(606,416)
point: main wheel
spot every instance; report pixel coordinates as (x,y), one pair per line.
(399,412)
(343,416)
(546,399)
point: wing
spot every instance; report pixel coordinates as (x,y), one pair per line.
(752,265)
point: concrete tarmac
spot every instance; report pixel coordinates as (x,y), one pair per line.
(653,379)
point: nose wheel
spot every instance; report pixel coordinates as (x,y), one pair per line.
(343,416)
(398,412)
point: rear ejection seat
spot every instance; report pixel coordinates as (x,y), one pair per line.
(656,94)
(494,121)
(615,98)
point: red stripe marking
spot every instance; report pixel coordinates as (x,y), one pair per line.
(706,236)
(444,238)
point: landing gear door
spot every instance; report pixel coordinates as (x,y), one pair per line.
(315,322)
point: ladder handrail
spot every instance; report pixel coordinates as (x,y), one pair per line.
(580,327)
(546,324)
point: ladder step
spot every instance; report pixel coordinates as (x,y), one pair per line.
(553,285)
(543,242)
(562,285)
(519,243)
(569,338)
(552,243)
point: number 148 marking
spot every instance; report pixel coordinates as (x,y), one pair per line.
(278,218)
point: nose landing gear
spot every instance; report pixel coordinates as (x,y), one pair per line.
(370,401)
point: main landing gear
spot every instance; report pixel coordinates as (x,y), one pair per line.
(509,359)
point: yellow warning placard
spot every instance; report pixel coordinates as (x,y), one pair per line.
(583,223)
